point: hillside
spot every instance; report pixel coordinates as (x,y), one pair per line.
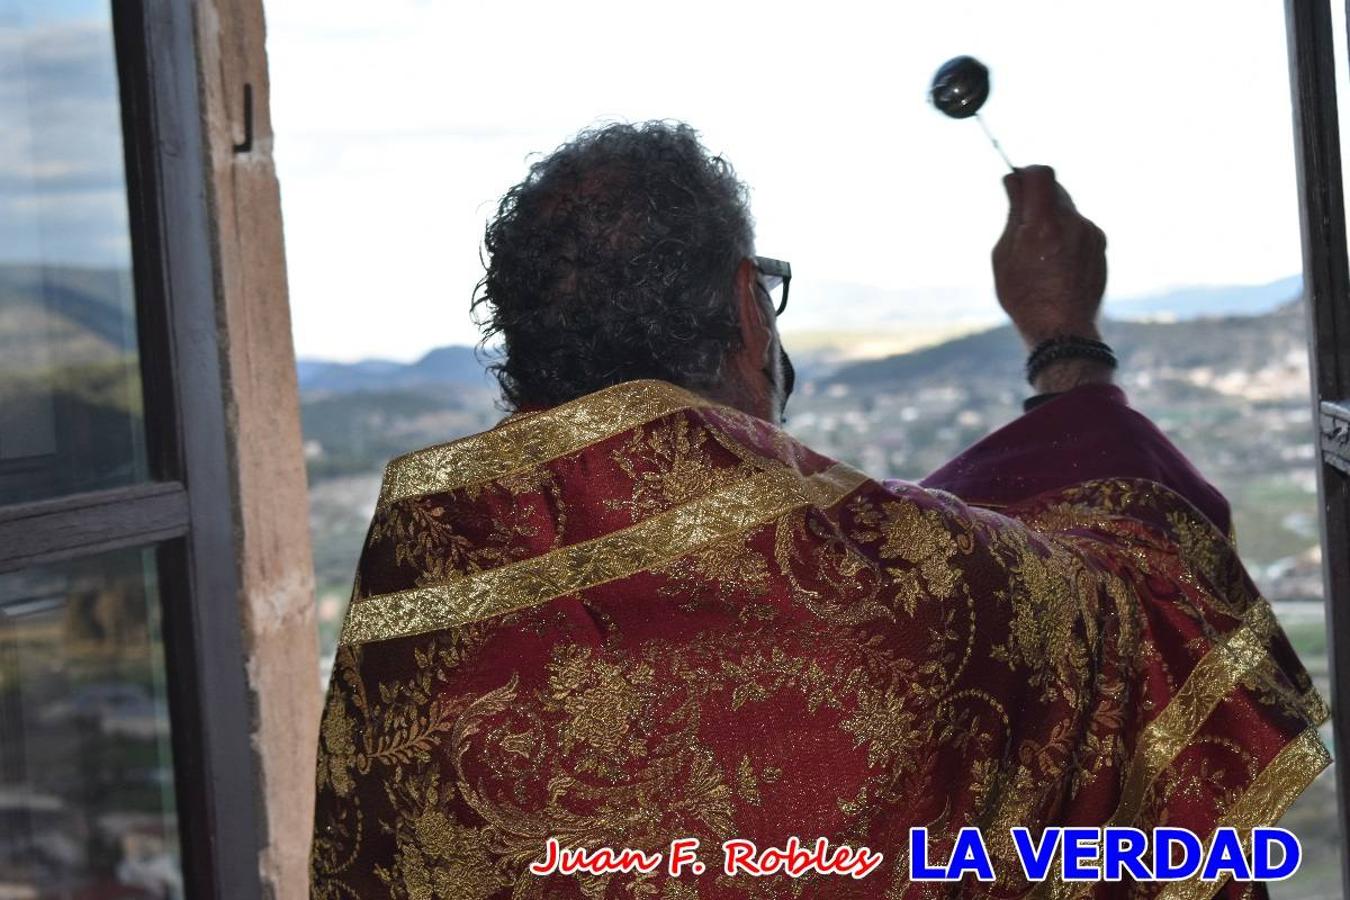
(1231,391)
(445,366)
(67,367)
(1248,343)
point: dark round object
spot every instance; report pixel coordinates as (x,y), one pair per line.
(960,87)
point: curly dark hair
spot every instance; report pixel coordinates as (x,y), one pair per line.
(615,259)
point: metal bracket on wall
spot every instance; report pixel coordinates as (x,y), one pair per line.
(1334,427)
(247,144)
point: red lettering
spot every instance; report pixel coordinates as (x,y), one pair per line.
(603,861)
(681,854)
(866,863)
(742,857)
(838,862)
(799,861)
(739,855)
(630,860)
(550,861)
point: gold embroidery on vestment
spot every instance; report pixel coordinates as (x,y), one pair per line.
(1212,679)
(1264,801)
(648,544)
(532,439)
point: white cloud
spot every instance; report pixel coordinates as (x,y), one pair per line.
(62,186)
(399,124)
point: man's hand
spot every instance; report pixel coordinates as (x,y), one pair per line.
(1050,263)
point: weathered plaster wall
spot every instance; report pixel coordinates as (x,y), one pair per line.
(272,526)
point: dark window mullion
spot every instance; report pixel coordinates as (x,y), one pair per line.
(151,270)
(82,524)
(217,782)
(1326,269)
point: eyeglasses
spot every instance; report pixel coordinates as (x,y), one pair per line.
(777,276)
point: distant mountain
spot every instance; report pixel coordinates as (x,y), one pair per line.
(843,306)
(69,381)
(1231,391)
(359,415)
(859,310)
(1226,300)
(1220,343)
(445,366)
(81,313)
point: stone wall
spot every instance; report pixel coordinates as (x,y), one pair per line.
(272,521)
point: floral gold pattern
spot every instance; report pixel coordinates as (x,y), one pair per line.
(531,440)
(641,616)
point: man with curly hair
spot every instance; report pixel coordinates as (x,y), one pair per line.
(637,641)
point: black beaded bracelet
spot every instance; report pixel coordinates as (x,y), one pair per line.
(1058,348)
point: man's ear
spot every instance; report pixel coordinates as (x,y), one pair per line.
(752,315)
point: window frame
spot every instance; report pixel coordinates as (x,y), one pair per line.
(1326,279)
(187,510)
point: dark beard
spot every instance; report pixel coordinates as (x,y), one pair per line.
(789,381)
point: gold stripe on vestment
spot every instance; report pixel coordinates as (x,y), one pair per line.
(1222,669)
(533,439)
(1263,803)
(648,544)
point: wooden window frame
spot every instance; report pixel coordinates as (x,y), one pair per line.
(1326,279)
(187,510)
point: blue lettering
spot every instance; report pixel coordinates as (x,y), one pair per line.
(1076,851)
(1225,855)
(1262,839)
(970,855)
(1164,839)
(1123,851)
(919,869)
(1036,859)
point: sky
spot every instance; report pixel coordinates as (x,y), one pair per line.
(398,125)
(62,184)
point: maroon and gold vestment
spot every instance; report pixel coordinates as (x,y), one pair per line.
(640,616)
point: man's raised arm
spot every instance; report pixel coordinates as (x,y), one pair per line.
(1050,275)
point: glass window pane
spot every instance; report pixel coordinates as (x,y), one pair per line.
(70,397)
(86,772)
